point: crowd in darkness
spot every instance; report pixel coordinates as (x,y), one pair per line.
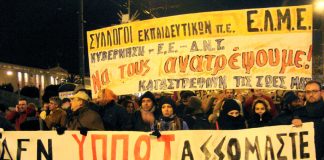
(153,113)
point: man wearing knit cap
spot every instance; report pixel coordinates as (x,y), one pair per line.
(143,119)
(83,118)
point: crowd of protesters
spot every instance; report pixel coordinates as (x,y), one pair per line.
(150,112)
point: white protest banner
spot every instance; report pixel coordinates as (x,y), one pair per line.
(277,142)
(266,48)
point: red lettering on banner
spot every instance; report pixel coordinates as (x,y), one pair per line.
(248,61)
(274,60)
(80,143)
(209,61)
(183,62)
(232,60)
(285,62)
(103,138)
(220,64)
(137,148)
(297,58)
(172,62)
(135,68)
(123,137)
(198,67)
(96,82)
(261,58)
(167,146)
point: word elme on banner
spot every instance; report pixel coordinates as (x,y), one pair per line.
(277,142)
(269,48)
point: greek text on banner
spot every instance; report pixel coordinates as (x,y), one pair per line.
(252,48)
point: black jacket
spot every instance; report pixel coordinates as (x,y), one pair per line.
(115,117)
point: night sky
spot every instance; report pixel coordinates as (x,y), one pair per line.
(44,33)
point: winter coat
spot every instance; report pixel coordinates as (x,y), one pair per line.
(171,123)
(257,121)
(56,118)
(115,117)
(85,118)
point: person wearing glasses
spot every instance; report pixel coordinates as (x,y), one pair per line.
(313,112)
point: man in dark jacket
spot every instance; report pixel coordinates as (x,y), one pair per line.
(313,112)
(114,116)
(83,118)
(143,119)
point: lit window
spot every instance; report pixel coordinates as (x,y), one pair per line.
(26,78)
(37,80)
(9,73)
(42,81)
(19,77)
(52,80)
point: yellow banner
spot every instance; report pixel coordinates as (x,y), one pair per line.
(252,48)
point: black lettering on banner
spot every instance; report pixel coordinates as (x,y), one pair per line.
(4,150)
(293,144)
(269,147)
(218,150)
(268,21)
(255,148)
(204,149)
(250,21)
(284,18)
(233,142)
(279,137)
(300,19)
(41,150)
(303,144)
(19,148)
(186,151)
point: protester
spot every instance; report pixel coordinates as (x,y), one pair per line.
(261,115)
(169,120)
(195,117)
(32,122)
(313,112)
(129,105)
(230,117)
(143,119)
(57,116)
(4,123)
(83,118)
(114,116)
(19,115)
(257,93)
(181,107)
(290,102)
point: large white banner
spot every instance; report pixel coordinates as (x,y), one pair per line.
(278,142)
(269,48)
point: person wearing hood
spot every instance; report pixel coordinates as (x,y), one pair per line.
(143,119)
(230,117)
(261,115)
(169,120)
(114,116)
(290,102)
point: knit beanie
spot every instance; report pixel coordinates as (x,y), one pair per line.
(167,100)
(149,95)
(229,105)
